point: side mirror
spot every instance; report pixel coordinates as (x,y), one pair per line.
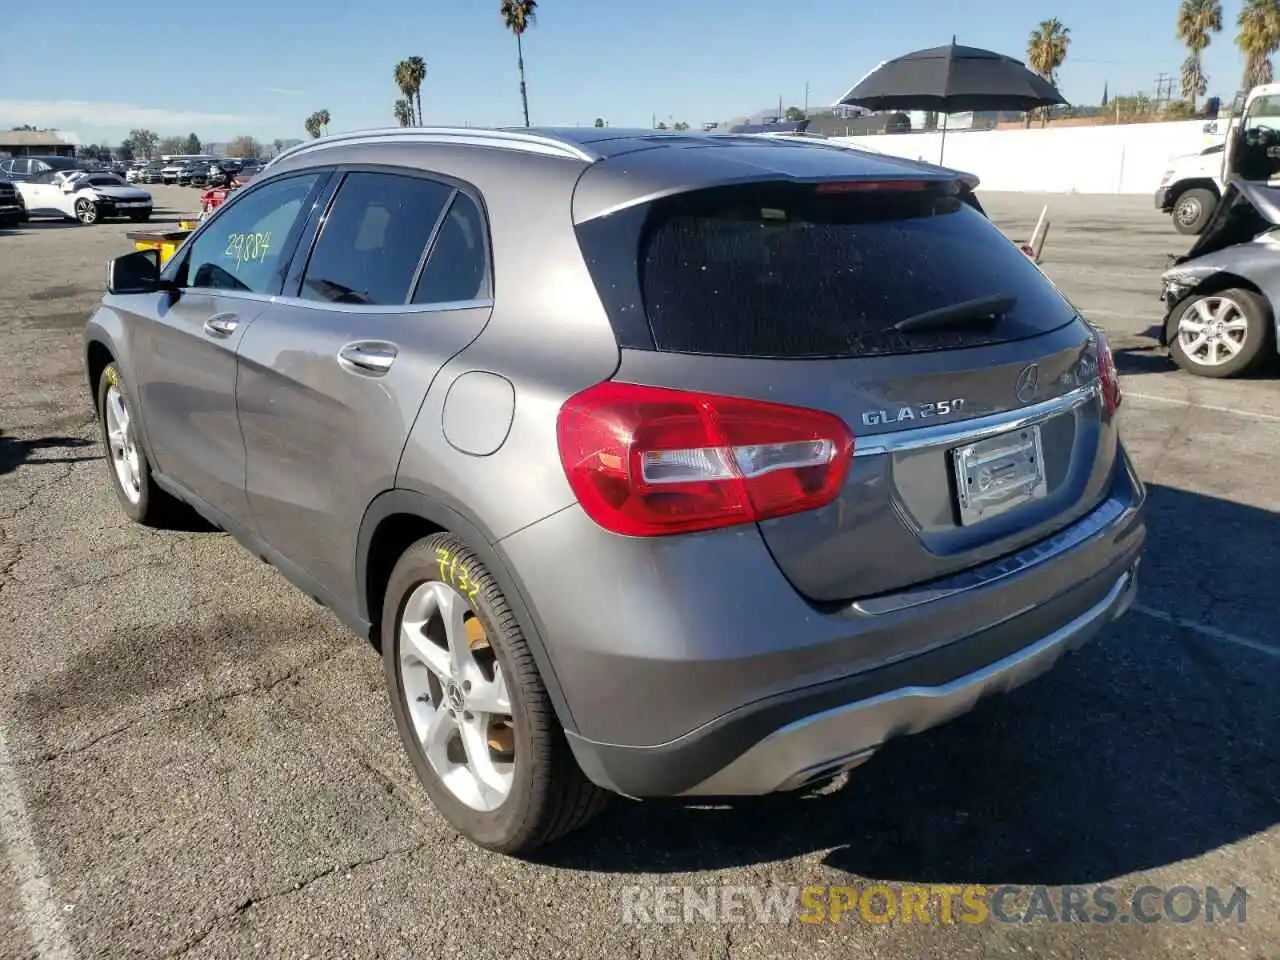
(137,272)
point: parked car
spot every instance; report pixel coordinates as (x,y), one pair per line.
(660,465)
(12,209)
(1222,298)
(223,172)
(172,172)
(87,197)
(16,169)
(196,175)
(152,172)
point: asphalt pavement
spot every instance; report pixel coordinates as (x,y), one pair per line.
(198,761)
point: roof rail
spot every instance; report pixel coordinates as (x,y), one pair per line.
(462,136)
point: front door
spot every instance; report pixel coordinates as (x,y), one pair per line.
(331,379)
(186,356)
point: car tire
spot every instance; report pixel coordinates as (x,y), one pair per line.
(1246,324)
(143,500)
(86,211)
(513,806)
(1193,209)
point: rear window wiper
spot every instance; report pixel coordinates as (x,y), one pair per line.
(983,308)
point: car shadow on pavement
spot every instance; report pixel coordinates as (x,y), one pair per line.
(1153,358)
(15,452)
(1151,745)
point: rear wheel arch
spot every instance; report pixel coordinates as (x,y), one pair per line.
(394,521)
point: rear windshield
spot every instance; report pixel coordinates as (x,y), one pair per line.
(787,271)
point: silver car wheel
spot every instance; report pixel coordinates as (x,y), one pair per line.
(124,450)
(86,211)
(456,698)
(1212,331)
(1187,211)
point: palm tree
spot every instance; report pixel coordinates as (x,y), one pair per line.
(322,119)
(404,81)
(1197,21)
(404,112)
(1046,49)
(409,74)
(312,125)
(518,16)
(1258,38)
(417,73)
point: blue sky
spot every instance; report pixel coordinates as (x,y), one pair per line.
(99,70)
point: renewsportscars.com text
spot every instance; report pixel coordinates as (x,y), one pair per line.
(934,904)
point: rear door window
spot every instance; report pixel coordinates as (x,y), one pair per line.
(787,271)
(374,239)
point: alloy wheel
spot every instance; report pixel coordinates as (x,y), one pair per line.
(1212,331)
(456,696)
(123,447)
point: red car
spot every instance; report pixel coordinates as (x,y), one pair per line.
(210,200)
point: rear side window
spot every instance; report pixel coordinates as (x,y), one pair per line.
(374,238)
(458,266)
(787,271)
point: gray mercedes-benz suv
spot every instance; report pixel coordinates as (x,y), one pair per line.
(654,464)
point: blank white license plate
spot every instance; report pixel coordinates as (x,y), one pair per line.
(998,474)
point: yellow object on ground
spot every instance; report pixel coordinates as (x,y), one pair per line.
(166,242)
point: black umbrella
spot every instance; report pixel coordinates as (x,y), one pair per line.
(952,79)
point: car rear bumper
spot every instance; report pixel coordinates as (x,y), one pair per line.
(708,679)
(840,738)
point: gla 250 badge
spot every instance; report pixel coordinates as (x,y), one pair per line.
(919,411)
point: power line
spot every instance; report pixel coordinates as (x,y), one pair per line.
(1164,89)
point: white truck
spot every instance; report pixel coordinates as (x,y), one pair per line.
(1193,183)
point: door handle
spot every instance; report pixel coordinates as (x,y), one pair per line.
(221,324)
(369,357)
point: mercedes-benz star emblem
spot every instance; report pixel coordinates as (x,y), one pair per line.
(454,696)
(1028,382)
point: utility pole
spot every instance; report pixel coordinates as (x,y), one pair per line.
(806,98)
(1164,89)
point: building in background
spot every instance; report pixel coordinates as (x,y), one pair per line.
(38,143)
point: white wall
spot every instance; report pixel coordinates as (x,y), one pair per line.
(1125,158)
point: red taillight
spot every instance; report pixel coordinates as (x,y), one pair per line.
(870,186)
(647,461)
(1111,395)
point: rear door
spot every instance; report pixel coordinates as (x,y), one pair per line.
(42,196)
(185,347)
(978,430)
(332,376)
